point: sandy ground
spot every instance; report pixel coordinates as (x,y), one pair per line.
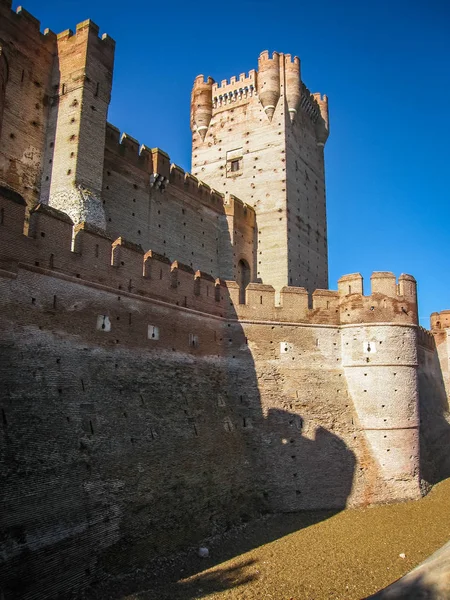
(345,556)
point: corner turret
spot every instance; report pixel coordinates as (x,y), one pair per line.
(201,105)
(322,130)
(293,85)
(268,82)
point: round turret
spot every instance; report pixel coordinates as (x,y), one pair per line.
(201,105)
(268,82)
(293,89)
(322,130)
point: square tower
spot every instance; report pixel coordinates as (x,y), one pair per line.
(261,138)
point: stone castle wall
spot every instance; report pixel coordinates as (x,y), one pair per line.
(149,396)
(136,391)
(57,148)
(434,388)
(26,65)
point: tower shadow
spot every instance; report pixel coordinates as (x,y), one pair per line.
(135,448)
(434,415)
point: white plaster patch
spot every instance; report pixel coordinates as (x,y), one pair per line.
(81,205)
(285,348)
(193,340)
(369,347)
(153,332)
(103,323)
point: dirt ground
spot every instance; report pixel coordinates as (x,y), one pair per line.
(344,556)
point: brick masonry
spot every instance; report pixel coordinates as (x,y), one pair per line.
(163,375)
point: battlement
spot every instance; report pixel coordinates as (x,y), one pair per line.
(236,90)
(241,211)
(440,320)
(345,306)
(382,282)
(86,29)
(196,189)
(28,23)
(156,163)
(389,300)
(292,59)
(87,253)
(201,79)
(425,338)
(309,103)
(265,56)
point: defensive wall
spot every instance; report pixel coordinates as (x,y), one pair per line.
(153,390)
(434,390)
(58,149)
(136,390)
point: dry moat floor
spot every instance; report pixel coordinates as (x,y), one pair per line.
(347,555)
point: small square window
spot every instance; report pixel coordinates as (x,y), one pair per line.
(235,166)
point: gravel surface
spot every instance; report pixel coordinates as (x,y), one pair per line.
(344,556)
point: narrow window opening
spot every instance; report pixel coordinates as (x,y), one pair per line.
(243,279)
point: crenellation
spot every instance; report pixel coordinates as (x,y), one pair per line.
(28,19)
(325,300)
(236,90)
(440,320)
(351,284)
(64,35)
(161,164)
(50,36)
(112,135)
(407,287)
(384,283)
(130,146)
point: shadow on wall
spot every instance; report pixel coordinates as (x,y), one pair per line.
(134,449)
(434,418)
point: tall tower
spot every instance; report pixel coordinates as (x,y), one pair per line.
(261,137)
(75,144)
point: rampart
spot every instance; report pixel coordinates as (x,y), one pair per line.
(152,390)
(158,205)
(88,253)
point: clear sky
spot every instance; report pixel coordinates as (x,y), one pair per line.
(385,66)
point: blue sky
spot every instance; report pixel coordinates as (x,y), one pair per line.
(385,68)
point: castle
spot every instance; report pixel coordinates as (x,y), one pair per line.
(172,362)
